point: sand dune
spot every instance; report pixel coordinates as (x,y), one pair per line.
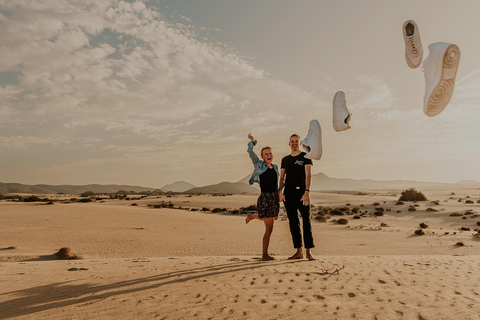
(140,262)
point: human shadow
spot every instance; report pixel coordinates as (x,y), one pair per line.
(62,294)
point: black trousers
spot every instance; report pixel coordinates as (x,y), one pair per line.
(293,204)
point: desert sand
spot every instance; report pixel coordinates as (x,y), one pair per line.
(140,262)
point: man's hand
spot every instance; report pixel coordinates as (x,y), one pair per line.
(306,198)
(250,137)
(281,197)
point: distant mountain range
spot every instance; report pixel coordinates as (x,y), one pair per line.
(320,182)
(67,189)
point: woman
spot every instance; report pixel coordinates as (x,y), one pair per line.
(266,174)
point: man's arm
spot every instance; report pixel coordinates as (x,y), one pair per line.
(282,184)
(308,182)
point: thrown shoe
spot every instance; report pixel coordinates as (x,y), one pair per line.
(413,44)
(440,69)
(341,116)
(313,142)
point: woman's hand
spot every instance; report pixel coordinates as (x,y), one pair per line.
(250,137)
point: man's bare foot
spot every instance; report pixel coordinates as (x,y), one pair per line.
(248,218)
(267,258)
(298,255)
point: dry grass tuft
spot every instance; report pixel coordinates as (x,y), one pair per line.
(65,254)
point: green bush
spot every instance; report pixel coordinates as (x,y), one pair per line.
(412,195)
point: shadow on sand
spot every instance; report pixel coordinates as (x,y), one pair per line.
(62,294)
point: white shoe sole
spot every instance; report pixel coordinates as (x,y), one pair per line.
(441,94)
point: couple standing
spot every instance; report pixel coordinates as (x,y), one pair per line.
(294,190)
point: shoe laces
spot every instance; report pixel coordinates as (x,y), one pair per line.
(413,49)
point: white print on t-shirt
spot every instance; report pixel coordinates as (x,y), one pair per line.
(299,162)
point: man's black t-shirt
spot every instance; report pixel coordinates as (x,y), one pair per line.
(295,172)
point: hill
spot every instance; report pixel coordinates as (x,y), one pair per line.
(179,186)
(224,187)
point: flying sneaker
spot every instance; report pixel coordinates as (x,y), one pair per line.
(312,144)
(341,116)
(440,70)
(413,44)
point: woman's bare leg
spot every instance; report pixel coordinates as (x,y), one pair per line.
(251,217)
(266,238)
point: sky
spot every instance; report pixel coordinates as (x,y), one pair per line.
(152,92)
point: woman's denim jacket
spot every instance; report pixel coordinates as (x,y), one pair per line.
(259,165)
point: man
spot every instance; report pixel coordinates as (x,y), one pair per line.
(296,177)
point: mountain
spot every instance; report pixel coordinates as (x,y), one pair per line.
(321,181)
(224,187)
(67,189)
(179,186)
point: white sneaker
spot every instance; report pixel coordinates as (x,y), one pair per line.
(440,69)
(341,116)
(312,144)
(413,44)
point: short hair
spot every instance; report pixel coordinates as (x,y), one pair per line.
(294,135)
(264,148)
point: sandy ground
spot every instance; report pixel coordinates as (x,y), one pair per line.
(142,263)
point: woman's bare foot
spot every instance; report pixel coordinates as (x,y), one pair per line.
(267,258)
(248,218)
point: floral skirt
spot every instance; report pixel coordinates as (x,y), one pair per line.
(268,205)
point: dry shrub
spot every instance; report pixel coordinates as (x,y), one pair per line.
(419,232)
(431,210)
(465,228)
(378,213)
(412,195)
(356,216)
(399,203)
(321,218)
(412,209)
(423,225)
(456,214)
(65,254)
(460,244)
(469,201)
(342,221)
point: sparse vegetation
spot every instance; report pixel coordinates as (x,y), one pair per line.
(378,213)
(356,216)
(217,210)
(465,229)
(65,254)
(412,208)
(456,214)
(336,212)
(399,203)
(469,201)
(342,221)
(460,244)
(412,195)
(419,232)
(423,225)
(431,210)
